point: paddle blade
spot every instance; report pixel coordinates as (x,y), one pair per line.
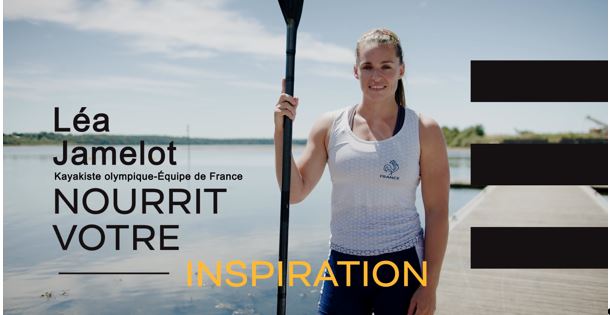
(291,9)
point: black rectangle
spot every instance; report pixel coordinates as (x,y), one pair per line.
(539,247)
(539,164)
(538,81)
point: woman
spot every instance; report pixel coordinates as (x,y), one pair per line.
(377,153)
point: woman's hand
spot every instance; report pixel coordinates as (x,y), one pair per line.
(286,106)
(423,301)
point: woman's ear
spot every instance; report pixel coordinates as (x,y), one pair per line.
(402,70)
(356,73)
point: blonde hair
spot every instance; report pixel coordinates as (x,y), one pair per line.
(382,36)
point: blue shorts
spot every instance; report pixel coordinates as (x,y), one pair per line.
(358,299)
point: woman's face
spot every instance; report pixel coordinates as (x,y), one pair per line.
(378,69)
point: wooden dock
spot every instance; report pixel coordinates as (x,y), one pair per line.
(523,291)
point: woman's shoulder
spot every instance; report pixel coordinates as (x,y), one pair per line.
(427,123)
(430,131)
(327,119)
(323,125)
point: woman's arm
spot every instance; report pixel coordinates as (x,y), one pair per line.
(309,169)
(307,172)
(434,168)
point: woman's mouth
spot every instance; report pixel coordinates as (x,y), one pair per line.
(377,87)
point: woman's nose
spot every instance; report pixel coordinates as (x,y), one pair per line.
(376,74)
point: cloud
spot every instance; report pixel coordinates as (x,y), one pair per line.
(18,87)
(178,29)
(437,79)
(345,72)
(229,79)
(255,85)
(183,71)
(33,82)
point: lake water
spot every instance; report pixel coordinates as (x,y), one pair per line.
(246,228)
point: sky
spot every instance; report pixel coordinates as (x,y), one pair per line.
(156,66)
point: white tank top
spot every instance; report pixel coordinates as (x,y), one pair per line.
(373,193)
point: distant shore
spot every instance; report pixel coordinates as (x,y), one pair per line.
(49,138)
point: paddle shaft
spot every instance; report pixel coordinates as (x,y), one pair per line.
(291,41)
